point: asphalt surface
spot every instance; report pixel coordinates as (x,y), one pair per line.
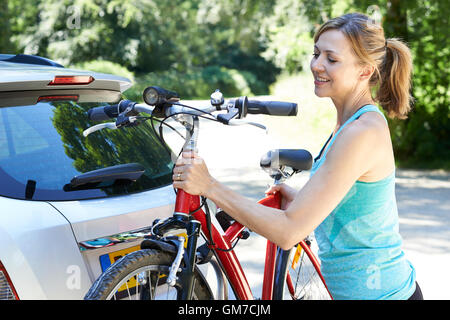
(233,153)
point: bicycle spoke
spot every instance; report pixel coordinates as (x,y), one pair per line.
(150,286)
(304,282)
(128,290)
(137,291)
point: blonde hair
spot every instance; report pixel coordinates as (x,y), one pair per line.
(390,57)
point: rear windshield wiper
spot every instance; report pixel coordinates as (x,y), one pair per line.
(94,179)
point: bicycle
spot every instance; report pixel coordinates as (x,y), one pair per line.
(166,266)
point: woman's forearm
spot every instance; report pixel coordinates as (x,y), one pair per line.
(283,227)
(271,223)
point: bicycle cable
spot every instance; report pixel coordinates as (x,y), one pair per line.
(160,136)
(210,242)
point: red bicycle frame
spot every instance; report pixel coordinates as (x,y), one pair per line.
(186,203)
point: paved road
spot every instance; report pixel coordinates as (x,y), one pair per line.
(423,199)
(233,153)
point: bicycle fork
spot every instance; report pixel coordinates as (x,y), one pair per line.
(186,276)
(181,272)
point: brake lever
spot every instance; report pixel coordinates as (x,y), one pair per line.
(240,122)
(100,126)
(122,121)
(126,121)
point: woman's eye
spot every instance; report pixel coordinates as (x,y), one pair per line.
(316,55)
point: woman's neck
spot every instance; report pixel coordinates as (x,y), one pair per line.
(347,107)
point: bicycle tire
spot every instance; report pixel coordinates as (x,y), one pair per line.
(302,281)
(131,267)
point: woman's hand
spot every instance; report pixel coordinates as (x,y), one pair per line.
(192,175)
(287,194)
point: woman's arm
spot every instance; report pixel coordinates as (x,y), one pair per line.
(352,155)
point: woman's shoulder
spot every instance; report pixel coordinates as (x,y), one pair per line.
(373,119)
(370,134)
(366,143)
(368,127)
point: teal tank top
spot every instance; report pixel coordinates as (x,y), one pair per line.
(359,242)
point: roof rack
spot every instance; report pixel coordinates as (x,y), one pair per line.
(29,59)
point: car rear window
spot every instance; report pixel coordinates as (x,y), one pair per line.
(42,148)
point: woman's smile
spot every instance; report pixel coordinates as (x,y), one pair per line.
(319,81)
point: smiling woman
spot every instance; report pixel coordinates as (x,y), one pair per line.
(360,247)
(349,200)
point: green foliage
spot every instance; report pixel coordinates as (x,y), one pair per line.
(104,67)
(287,37)
(422,139)
(174,39)
(195,84)
(425,137)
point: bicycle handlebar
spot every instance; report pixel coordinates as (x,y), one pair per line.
(126,111)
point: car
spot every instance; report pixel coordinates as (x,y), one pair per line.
(58,236)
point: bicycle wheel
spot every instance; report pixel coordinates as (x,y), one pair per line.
(141,275)
(298,275)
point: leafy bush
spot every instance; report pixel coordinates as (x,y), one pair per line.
(422,139)
(199,83)
(196,84)
(104,67)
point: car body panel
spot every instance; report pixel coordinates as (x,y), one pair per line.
(37,77)
(95,218)
(39,251)
(30,97)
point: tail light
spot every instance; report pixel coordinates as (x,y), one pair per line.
(7,291)
(71,80)
(58,98)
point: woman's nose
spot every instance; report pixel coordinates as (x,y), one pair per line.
(316,65)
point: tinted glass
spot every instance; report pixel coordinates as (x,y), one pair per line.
(42,148)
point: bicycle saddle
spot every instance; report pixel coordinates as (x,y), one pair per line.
(297,159)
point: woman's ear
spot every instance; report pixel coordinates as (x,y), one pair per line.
(366,72)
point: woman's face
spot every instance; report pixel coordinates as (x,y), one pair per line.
(334,66)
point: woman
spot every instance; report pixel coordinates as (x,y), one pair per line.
(349,201)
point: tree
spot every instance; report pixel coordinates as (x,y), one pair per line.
(422,139)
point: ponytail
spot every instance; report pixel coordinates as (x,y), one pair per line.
(393,93)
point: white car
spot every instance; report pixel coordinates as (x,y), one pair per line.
(56,235)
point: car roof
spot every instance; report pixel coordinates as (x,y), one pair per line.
(37,73)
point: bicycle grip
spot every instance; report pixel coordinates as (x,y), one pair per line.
(103,113)
(111,111)
(273,108)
